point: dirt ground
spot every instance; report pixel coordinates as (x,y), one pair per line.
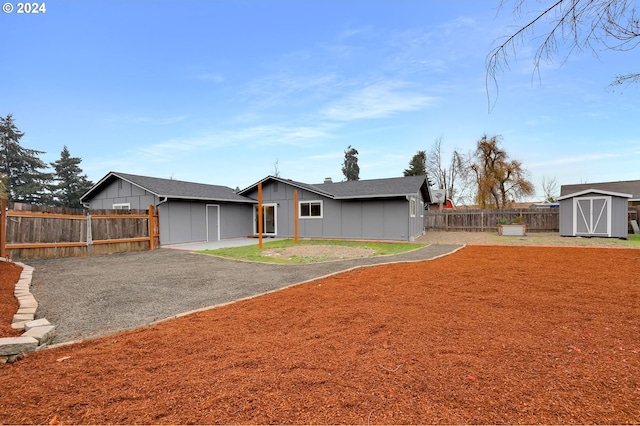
(320,252)
(531,239)
(9,276)
(489,334)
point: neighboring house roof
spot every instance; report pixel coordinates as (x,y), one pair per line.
(594,191)
(171,188)
(370,188)
(624,187)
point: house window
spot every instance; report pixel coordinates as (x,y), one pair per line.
(421,209)
(310,209)
(412,207)
(122,206)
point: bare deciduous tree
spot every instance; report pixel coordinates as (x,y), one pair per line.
(450,176)
(595,25)
(499,179)
(550,189)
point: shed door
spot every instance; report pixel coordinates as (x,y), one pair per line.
(592,216)
(213,222)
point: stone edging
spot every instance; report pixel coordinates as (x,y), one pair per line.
(38,333)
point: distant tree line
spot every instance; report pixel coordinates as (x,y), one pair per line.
(25,178)
(486,177)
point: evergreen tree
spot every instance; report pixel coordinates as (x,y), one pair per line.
(4,194)
(417,165)
(26,182)
(69,182)
(350,167)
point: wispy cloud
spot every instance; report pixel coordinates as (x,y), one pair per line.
(576,159)
(248,137)
(380,99)
(149,120)
(214,77)
(284,89)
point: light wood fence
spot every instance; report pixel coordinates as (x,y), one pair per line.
(479,220)
(29,231)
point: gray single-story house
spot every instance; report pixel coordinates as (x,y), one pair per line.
(188,211)
(379,209)
(594,213)
(376,209)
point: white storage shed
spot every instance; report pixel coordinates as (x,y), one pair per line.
(594,213)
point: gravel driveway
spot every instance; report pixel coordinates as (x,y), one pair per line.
(94,296)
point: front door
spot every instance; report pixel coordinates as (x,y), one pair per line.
(213,222)
(269,219)
(591,216)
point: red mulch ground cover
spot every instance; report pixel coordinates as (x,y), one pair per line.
(486,335)
(9,276)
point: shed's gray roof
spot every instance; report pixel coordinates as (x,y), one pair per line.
(370,188)
(624,186)
(172,188)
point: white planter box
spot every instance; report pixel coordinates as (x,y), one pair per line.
(512,230)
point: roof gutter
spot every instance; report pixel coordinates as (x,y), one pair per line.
(162,201)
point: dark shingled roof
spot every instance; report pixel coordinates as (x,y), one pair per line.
(624,187)
(175,188)
(375,188)
(371,188)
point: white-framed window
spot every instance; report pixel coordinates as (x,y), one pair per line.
(122,206)
(421,208)
(412,207)
(310,209)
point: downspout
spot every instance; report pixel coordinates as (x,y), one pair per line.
(161,201)
(408,197)
(156,207)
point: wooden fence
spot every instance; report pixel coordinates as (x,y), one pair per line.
(28,231)
(479,220)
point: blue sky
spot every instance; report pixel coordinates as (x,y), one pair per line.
(219,91)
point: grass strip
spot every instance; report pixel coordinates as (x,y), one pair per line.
(254,254)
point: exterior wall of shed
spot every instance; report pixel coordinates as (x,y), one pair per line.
(619,216)
(566,217)
(370,219)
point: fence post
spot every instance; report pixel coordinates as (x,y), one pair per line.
(89,236)
(482,221)
(151,228)
(3,227)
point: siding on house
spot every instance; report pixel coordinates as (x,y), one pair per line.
(181,220)
(386,218)
(378,209)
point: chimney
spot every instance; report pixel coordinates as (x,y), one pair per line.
(328,180)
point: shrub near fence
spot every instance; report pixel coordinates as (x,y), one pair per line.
(29,231)
(479,220)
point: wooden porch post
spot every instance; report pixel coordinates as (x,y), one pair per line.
(260,215)
(151,228)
